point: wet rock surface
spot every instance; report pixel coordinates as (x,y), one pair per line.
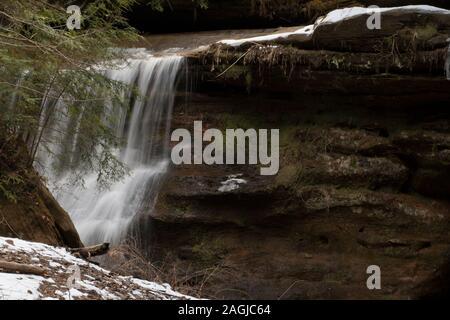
(351,192)
(363,174)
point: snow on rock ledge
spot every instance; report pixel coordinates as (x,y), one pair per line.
(95,283)
(306,32)
(333,17)
(232,183)
(339,15)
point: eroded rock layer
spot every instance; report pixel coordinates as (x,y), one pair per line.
(364,167)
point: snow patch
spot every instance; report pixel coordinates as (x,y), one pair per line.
(348,13)
(165,288)
(232,183)
(305,31)
(19,287)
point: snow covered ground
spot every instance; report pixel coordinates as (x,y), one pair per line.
(333,17)
(59,265)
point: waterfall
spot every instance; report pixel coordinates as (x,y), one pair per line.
(106,216)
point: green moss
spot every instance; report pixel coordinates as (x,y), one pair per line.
(248,81)
(236,72)
(10,186)
(288,175)
(287,136)
(209,251)
(243,121)
(337,62)
(426,32)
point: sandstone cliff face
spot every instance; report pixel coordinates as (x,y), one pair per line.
(27,209)
(365,140)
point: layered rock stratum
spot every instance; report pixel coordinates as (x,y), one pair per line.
(364,124)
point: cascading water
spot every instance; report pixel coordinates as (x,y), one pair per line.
(105,216)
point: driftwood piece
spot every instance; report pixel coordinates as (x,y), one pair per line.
(13,267)
(92,251)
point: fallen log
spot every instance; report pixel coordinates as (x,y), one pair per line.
(92,251)
(13,267)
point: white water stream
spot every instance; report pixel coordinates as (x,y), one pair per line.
(105,216)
